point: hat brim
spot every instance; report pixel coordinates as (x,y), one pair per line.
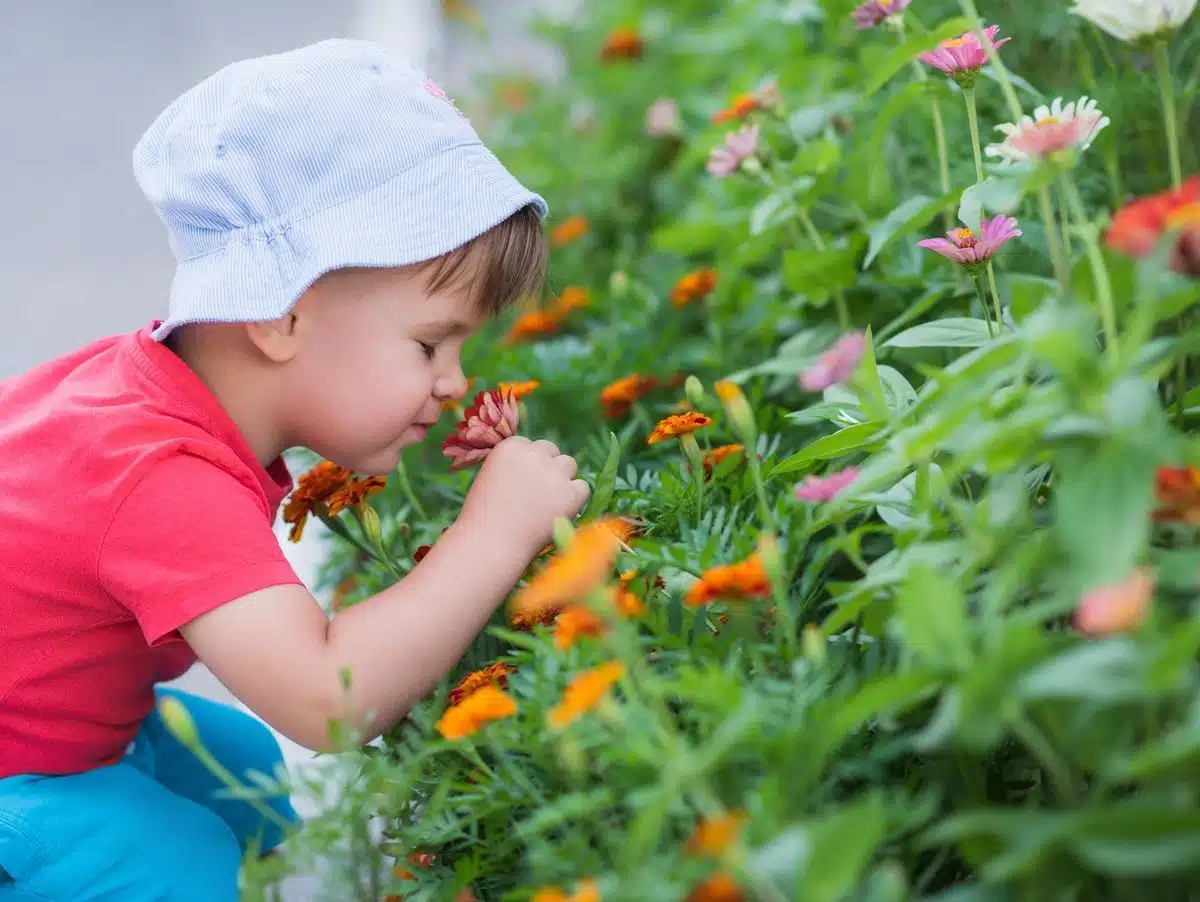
(424,212)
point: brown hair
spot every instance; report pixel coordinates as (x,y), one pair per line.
(500,267)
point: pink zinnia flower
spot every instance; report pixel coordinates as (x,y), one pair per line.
(1052,129)
(837,364)
(491,419)
(871,13)
(728,158)
(819,489)
(969,249)
(662,118)
(962,57)
(1116,608)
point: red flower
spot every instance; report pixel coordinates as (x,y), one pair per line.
(1140,225)
(493,417)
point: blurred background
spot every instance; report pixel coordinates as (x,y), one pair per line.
(82,254)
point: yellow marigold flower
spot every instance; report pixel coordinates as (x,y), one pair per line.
(716,834)
(475,711)
(575,622)
(572,298)
(720,887)
(531,325)
(575,571)
(584,692)
(519,389)
(492,675)
(570,229)
(695,285)
(676,425)
(617,397)
(744,579)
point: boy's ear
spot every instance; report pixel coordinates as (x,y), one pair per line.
(276,339)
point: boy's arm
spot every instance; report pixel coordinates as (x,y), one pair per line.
(276,650)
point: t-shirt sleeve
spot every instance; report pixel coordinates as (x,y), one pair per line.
(188,538)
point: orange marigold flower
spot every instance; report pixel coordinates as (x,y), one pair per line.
(572,298)
(584,692)
(355,493)
(570,229)
(1140,225)
(313,488)
(720,887)
(697,284)
(741,107)
(420,859)
(519,390)
(586,890)
(714,457)
(1178,491)
(626,602)
(575,571)
(492,675)
(475,711)
(716,834)
(617,397)
(630,575)
(677,424)
(531,325)
(575,622)
(623,43)
(743,579)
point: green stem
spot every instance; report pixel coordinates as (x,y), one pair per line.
(1057,257)
(973,123)
(1002,76)
(1040,746)
(1091,243)
(939,139)
(1166,90)
(991,274)
(987,315)
(407,489)
(819,243)
(235,785)
(691,451)
(1180,380)
(1064,220)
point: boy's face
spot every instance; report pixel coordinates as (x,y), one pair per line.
(377,357)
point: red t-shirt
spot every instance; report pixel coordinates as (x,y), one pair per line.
(129,504)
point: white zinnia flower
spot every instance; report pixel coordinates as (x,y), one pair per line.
(1053,128)
(1135,20)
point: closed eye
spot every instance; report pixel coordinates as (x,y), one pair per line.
(429,350)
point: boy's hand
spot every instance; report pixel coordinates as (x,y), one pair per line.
(520,490)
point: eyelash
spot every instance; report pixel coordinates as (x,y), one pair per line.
(428,349)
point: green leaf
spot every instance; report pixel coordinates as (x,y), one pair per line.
(842,846)
(1104,499)
(933,615)
(995,194)
(952,332)
(866,382)
(1110,671)
(897,59)
(911,214)
(897,391)
(816,272)
(770,211)
(1138,839)
(607,480)
(852,438)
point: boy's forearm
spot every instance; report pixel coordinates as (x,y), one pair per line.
(399,643)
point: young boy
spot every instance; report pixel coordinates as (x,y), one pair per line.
(340,232)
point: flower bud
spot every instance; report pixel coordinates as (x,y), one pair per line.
(814,644)
(694,391)
(738,409)
(372,527)
(179,722)
(563,532)
(772,558)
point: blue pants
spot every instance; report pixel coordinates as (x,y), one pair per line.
(154,827)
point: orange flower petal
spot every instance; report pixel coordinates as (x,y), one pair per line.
(744,579)
(676,425)
(584,692)
(475,711)
(575,571)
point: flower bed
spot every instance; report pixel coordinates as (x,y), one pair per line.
(889,583)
